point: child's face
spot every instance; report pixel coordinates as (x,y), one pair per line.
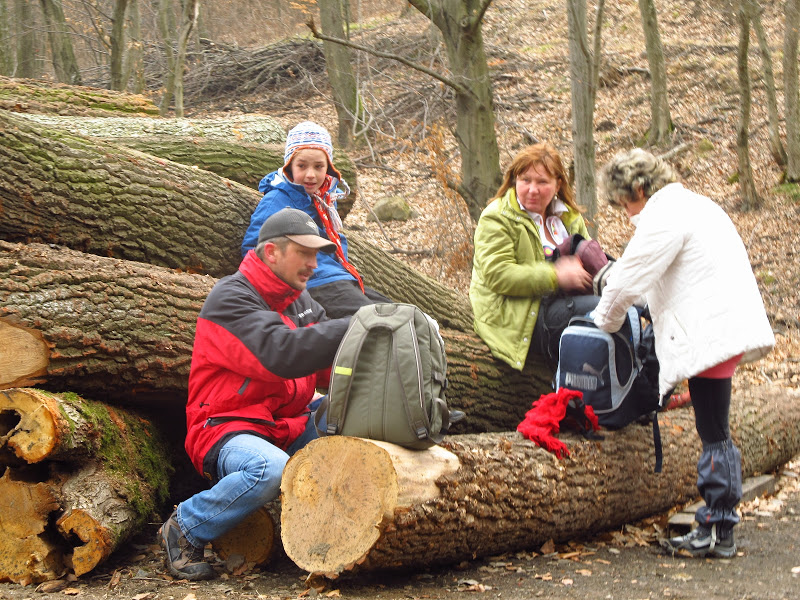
(308,168)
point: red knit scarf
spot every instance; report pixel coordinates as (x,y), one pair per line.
(333,235)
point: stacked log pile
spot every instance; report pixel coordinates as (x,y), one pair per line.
(79,478)
(106,255)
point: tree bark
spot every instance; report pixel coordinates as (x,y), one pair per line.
(775,144)
(660,120)
(191,11)
(166,27)
(118,44)
(133,70)
(6,43)
(122,331)
(103,473)
(750,198)
(32,96)
(339,64)
(496,493)
(118,331)
(103,199)
(27,62)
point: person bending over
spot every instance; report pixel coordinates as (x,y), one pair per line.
(688,260)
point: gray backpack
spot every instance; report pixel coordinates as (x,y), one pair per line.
(388,379)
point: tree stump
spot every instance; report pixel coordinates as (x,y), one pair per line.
(79,479)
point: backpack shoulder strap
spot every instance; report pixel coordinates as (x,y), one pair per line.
(342,376)
(410,375)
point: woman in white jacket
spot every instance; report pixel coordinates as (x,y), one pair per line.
(689,263)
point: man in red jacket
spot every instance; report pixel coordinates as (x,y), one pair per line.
(261,348)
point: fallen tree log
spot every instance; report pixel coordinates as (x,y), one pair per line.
(242,162)
(110,329)
(241,148)
(498,492)
(35,96)
(79,479)
(111,201)
(121,331)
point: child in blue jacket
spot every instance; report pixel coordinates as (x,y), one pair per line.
(309,181)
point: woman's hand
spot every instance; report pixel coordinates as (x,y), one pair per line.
(571,275)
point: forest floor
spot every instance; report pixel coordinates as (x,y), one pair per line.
(527,48)
(626,564)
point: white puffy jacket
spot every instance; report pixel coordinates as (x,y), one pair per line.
(687,259)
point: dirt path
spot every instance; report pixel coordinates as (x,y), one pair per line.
(624,565)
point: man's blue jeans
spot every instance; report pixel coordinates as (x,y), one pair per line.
(250,469)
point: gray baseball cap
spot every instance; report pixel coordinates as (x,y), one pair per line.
(297,226)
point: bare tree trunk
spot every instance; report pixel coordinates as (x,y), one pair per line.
(191,10)
(339,62)
(6,41)
(660,120)
(166,27)
(460,23)
(133,70)
(791,90)
(750,197)
(581,83)
(775,143)
(64,63)
(27,64)
(118,44)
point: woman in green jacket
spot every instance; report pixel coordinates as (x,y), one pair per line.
(522,295)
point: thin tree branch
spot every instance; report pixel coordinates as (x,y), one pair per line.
(448,82)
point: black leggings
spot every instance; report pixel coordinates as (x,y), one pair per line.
(711,399)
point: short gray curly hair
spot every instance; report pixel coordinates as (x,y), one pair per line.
(634,170)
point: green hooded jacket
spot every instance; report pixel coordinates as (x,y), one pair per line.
(510,276)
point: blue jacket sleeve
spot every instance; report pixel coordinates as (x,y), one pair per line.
(271,203)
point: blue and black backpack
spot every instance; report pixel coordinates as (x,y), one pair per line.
(616,372)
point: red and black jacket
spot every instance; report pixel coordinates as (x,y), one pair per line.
(260,350)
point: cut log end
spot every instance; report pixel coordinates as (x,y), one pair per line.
(30,424)
(27,553)
(338,493)
(253,540)
(24,356)
(335,494)
(97,543)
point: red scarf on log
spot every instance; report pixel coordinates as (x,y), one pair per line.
(544,419)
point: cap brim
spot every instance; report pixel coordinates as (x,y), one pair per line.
(313,241)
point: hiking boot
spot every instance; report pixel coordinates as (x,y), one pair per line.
(703,542)
(182,559)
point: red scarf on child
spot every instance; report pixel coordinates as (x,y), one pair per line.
(332,231)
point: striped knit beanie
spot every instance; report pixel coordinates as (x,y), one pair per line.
(307,135)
